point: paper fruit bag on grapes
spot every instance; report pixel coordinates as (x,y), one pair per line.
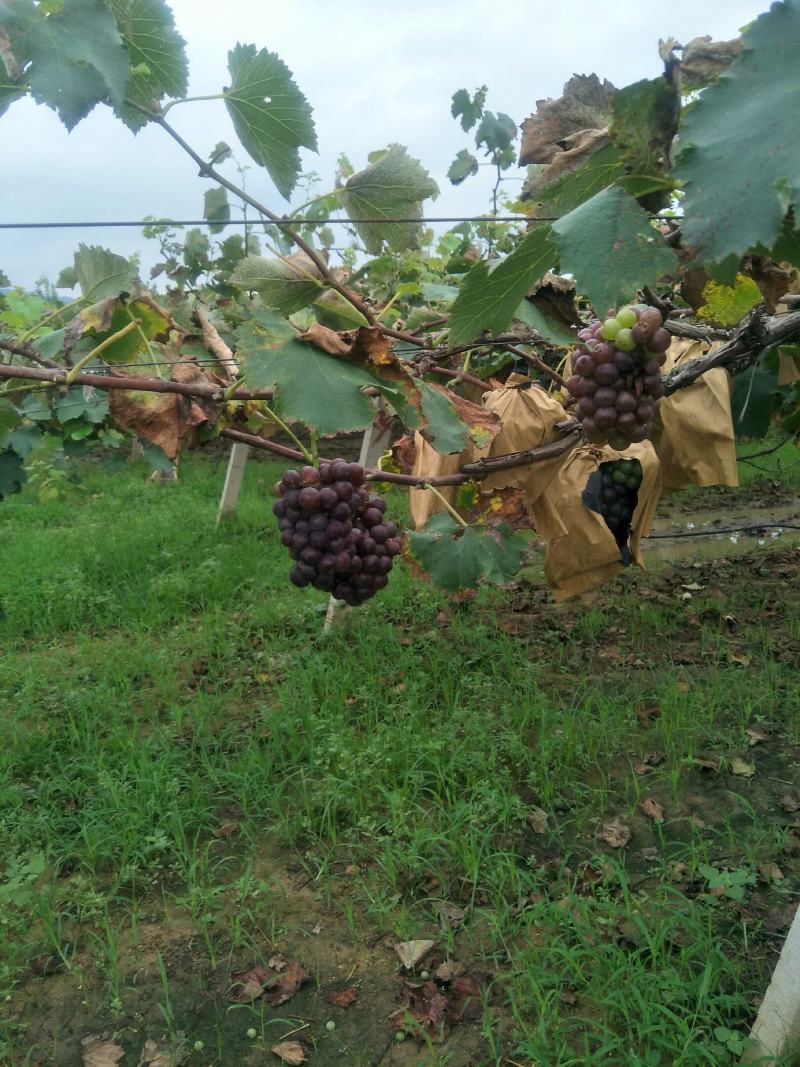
(528,417)
(693,429)
(594,515)
(428,463)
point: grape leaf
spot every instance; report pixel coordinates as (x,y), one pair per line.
(644,125)
(487,302)
(128,348)
(216,208)
(611,248)
(466,108)
(447,421)
(10,418)
(287,284)
(157,54)
(270,115)
(333,311)
(727,304)
(457,557)
(549,328)
(10,89)
(753,401)
(736,149)
(81,402)
(462,167)
(320,391)
(12,473)
(71,56)
(101,273)
(392,186)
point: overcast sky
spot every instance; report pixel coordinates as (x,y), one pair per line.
(374,72)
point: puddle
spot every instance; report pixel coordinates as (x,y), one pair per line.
(723,532)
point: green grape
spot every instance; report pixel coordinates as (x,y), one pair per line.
(626,317)
(610,329)
(625,340)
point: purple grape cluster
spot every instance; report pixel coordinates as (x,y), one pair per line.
(335,530)
(616,374)
(620,482)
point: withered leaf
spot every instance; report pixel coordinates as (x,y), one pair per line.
(648,761)
(646,714)
(411,952)
(537,820)
(615,833)
(344,998)
(464,998)
(653,809)
(159,1055)
(584,107)
(756,735)
(790,803)
(100,1052)
(250,984)
(335,344)
(704,59)
(426,1007)
(289,1052)
(741,768)
(449,970)
(404,453)
(286,984)
(770,873)
(450,915)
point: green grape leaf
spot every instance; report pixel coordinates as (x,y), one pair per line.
(487,301)
(435,292)
(220,153)
(10,418)
(71,56)
(216,208)
(447,421)
(320,391)
(81,402)
(26,439)
(102,274)
(457,557)
(271,116)
(12,473)
(462,167)
(739,168)
(787,248)
(754,399)
(67,278)
(611,248)
(644,125)
(496,132)
(157,53)
(333,311)
(468,109)
(550,329)
(50,344)
(570,190)
(393,186)
(132,347)
(288,284)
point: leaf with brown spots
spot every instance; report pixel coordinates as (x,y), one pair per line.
(344,998)
(615,833)
(100,1052)
(289,1052)
(653,809)
(404,453)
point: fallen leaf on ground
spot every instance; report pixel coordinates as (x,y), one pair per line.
(740,658)
(779,918)
(790,803)
(250,984)
(615,833)
(741,768)
(756,735)
(465,999)
(537,820)
(646,714)
(289,1052)
(155,1055)
(705,764)
(411,952)
(286,985)
(277,962)
(771,872)
(344,998)
(648,761)
(653,809)
(100,1052)
(448,970)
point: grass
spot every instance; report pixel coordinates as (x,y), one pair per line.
(185,758)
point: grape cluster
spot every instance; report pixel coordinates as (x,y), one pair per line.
(616,375)
(335,530)
(620,481)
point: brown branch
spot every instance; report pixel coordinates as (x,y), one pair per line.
(27,352)
(696,332)
(216,346)
(145,385)
(467,473)
(539,364)
(741,352)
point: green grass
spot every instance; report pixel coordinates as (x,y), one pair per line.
(159,678)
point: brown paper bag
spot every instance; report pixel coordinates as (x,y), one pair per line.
(581,550)
(693,429)
(528,416)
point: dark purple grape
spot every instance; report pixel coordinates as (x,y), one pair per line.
(652,319)
(372,516)
(344,490)
(291,479)
(659,342)
(380,533)
(309,476)
(644,411)
(603,353)
(385,564)
(298,579)
(573,383)
(638,433)
(380,581)
(605,417)
(624,362)
(325,473)
(286,537)
(585,408)
(319,539)
(308,499)
(584,366)
(328,498)
(589,427)
(652,383)
(324,582)
(651,366)
(279,509)
(640,333)
(311,556)
(343,562)
(607,374)
(586,387)
(340,470)
(291,497)
(605,397)
(377,502)
(626,420)
(318,521)
(367,546)
(625,401)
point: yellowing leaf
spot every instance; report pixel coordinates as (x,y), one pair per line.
(727,304)
(741,768)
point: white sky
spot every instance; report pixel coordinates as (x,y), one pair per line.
(374,72)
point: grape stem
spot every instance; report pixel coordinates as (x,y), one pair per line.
(307,456)
(448,507)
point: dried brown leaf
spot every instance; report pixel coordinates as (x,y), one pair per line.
(448,970)
(648,761)
(100,1052)
(615,833)
(335,344)
(647,714)
(344,998)
(289,1052)
(584,106)
(411,952)
(652,809)
(741,768)
(404,453)
(250,984)
(756,735)
(537,820)
(770,873)
(704,59)
(790,803)
(286,984)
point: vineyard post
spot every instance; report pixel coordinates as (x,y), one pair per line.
(777,1027)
